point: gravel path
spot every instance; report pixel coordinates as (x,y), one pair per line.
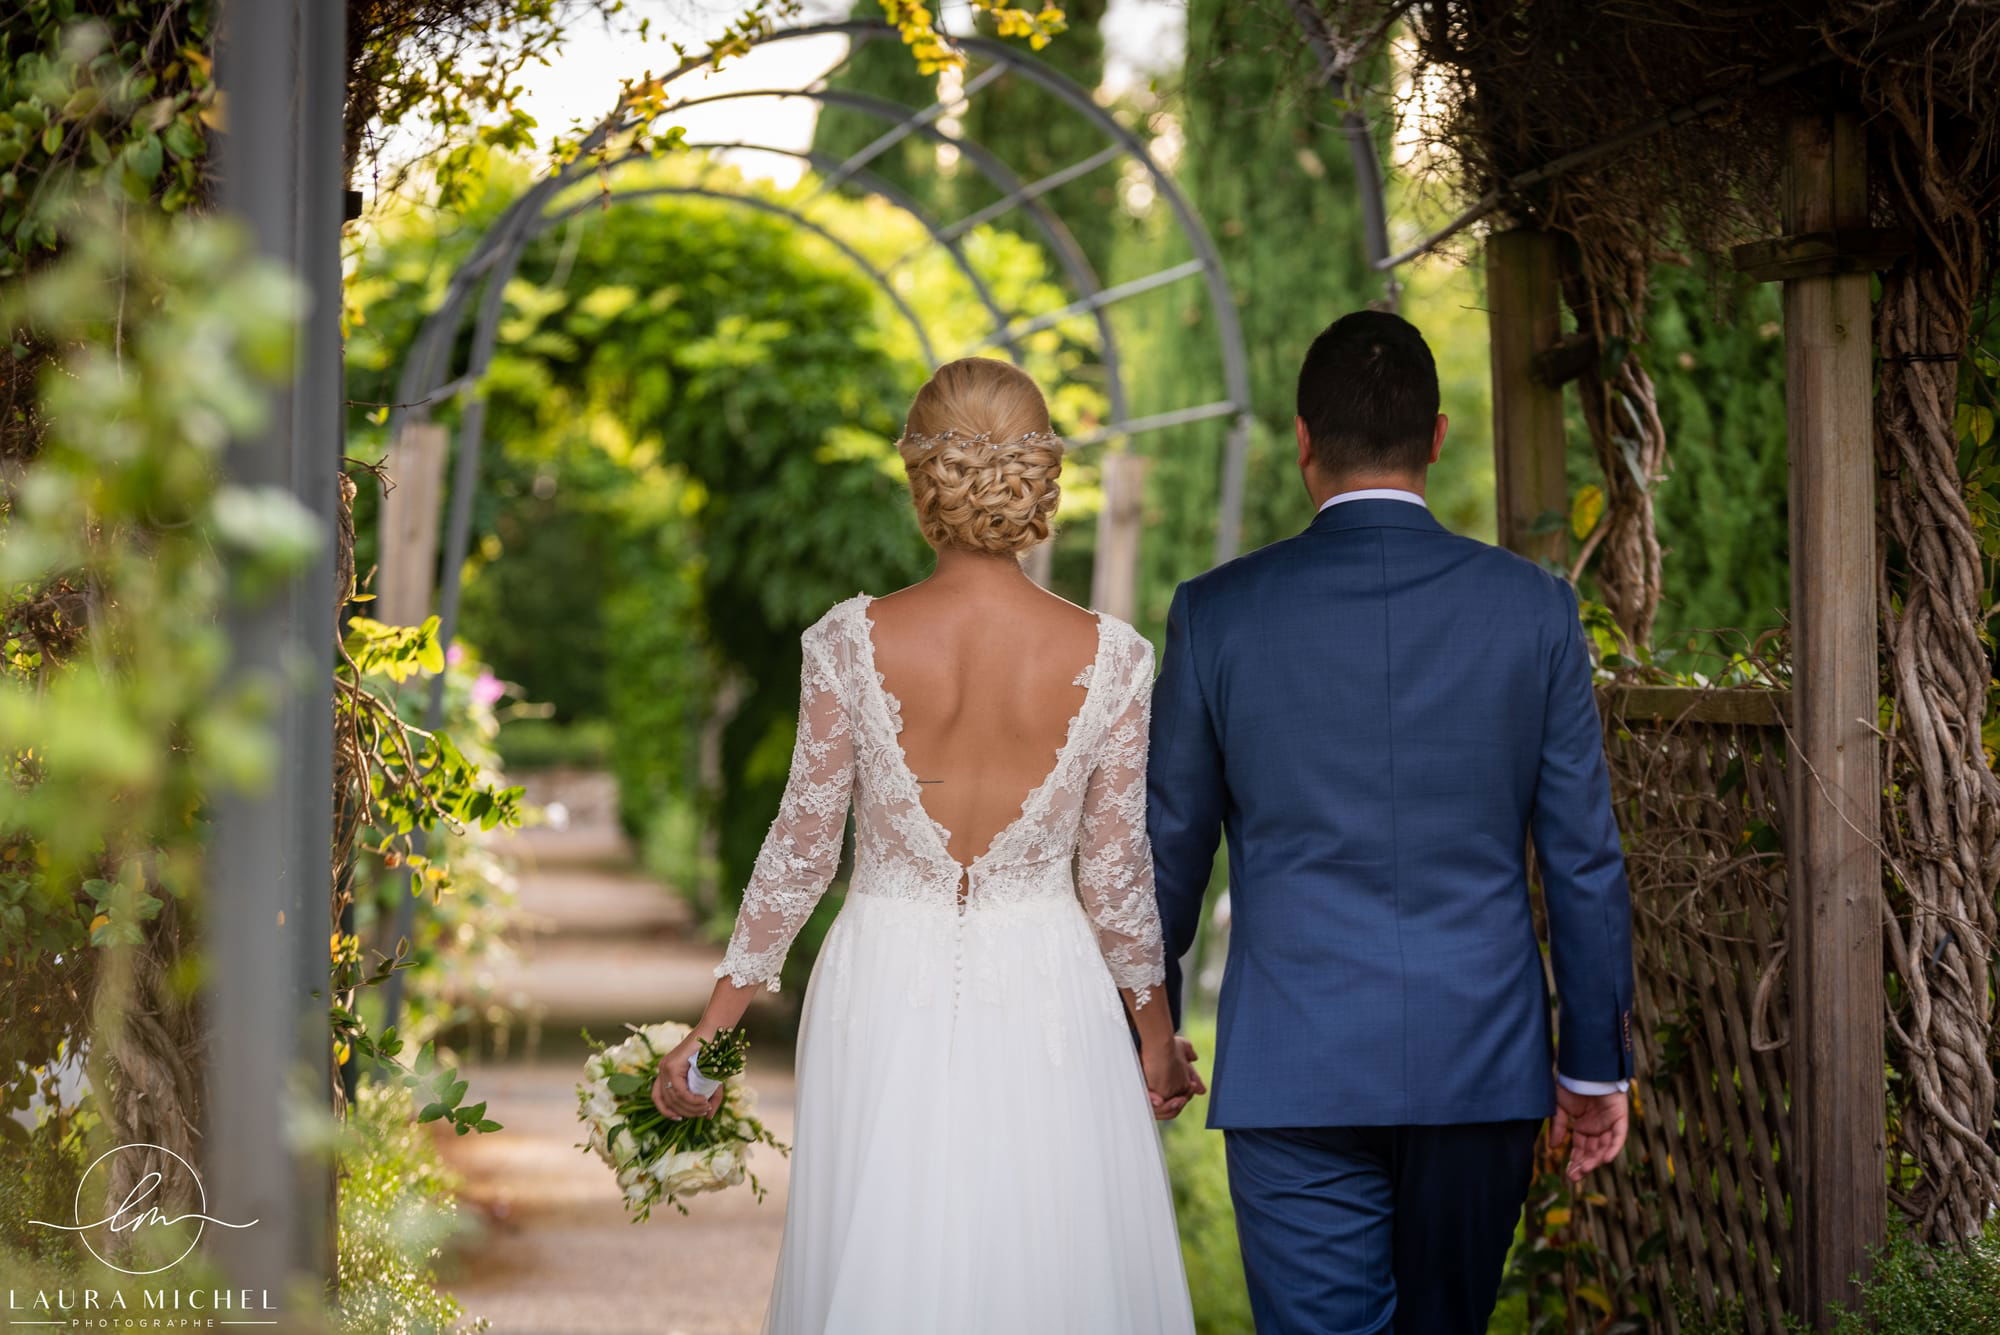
(599,944)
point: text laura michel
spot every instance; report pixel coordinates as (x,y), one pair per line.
(37,1301)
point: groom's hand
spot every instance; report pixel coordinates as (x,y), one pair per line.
(1594,1125)
(1171,1079)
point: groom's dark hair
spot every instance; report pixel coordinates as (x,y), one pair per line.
(1369,395)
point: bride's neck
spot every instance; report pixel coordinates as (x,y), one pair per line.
(955,566)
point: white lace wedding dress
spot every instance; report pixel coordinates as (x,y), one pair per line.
(975,1150)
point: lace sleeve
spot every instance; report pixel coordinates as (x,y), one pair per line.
(1114,859)
(802,850)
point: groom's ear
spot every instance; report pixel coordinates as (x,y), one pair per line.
(1305,441)
(1437,436)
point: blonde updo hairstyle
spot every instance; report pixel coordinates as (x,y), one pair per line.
(995,498)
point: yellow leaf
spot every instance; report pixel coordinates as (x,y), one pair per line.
(99,921)
(1974,420)
(1593,1295)
(1586,510)
(1556,1218)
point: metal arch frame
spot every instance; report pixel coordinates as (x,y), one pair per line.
(498,252)
(771,206)
(882,189)
(1236,370)
(1075,264)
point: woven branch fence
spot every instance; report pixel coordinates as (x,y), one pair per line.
(1699,1206)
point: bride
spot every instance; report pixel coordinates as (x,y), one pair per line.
(973,1151)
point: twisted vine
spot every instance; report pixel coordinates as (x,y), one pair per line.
(1943,816)
(1605,288)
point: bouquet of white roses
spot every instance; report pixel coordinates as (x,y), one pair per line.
(658,1158)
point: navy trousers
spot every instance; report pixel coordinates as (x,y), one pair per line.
(1371,1229)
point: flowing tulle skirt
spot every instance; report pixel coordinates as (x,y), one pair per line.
(975,1150)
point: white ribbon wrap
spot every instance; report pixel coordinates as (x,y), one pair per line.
(700,1084)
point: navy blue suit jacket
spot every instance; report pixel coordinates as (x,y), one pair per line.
(1380,714)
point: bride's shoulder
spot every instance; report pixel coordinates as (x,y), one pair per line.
(1124,644)
(840,622)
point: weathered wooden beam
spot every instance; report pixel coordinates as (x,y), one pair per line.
(1114,579)
(1823,253)
(1840,1205)
(410,515)
(1524,318)
(1746,706)
(1571,358)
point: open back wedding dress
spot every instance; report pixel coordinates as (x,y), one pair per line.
(975,1149)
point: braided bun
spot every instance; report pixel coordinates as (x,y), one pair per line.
(981,459)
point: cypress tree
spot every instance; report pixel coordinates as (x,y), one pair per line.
(1266,166)
(1024,125)
(882,68)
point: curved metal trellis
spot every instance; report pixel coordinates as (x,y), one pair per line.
(428,380)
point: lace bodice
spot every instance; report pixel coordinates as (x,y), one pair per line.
(1081,832)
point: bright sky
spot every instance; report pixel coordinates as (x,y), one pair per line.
(1142,38)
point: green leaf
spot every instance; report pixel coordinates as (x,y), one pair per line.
(182,140)
(1973,422)
(1585,510)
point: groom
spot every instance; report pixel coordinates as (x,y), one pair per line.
(1381,715)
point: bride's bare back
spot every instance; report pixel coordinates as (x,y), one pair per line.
(988,673)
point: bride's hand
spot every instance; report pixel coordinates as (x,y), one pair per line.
(671,1094)
(1171,1079)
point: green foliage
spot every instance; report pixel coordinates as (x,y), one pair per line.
(1200,1173)
(452,71)
(1913,1289)
(98,97)
(1716,352)
(882,69)
(1266,166)
(40,1165)
(1979,466)
(447,783)
(1037,136)
(397,1213)
(116,722)
(1557,1281)
(531,742)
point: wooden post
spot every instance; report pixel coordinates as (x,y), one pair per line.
(1524,320)
(410,525)
(1835,868)
(1114,578)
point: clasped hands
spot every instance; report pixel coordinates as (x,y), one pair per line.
(1171,1079)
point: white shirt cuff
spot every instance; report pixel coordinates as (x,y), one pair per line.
(1593,1087)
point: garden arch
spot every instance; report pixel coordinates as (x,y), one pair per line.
(431,376)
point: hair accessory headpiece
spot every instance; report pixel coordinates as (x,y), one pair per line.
(984,441)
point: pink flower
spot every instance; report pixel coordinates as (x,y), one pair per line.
(487,690)
(455,655)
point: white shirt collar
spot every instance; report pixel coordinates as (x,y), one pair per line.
(1374,494)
